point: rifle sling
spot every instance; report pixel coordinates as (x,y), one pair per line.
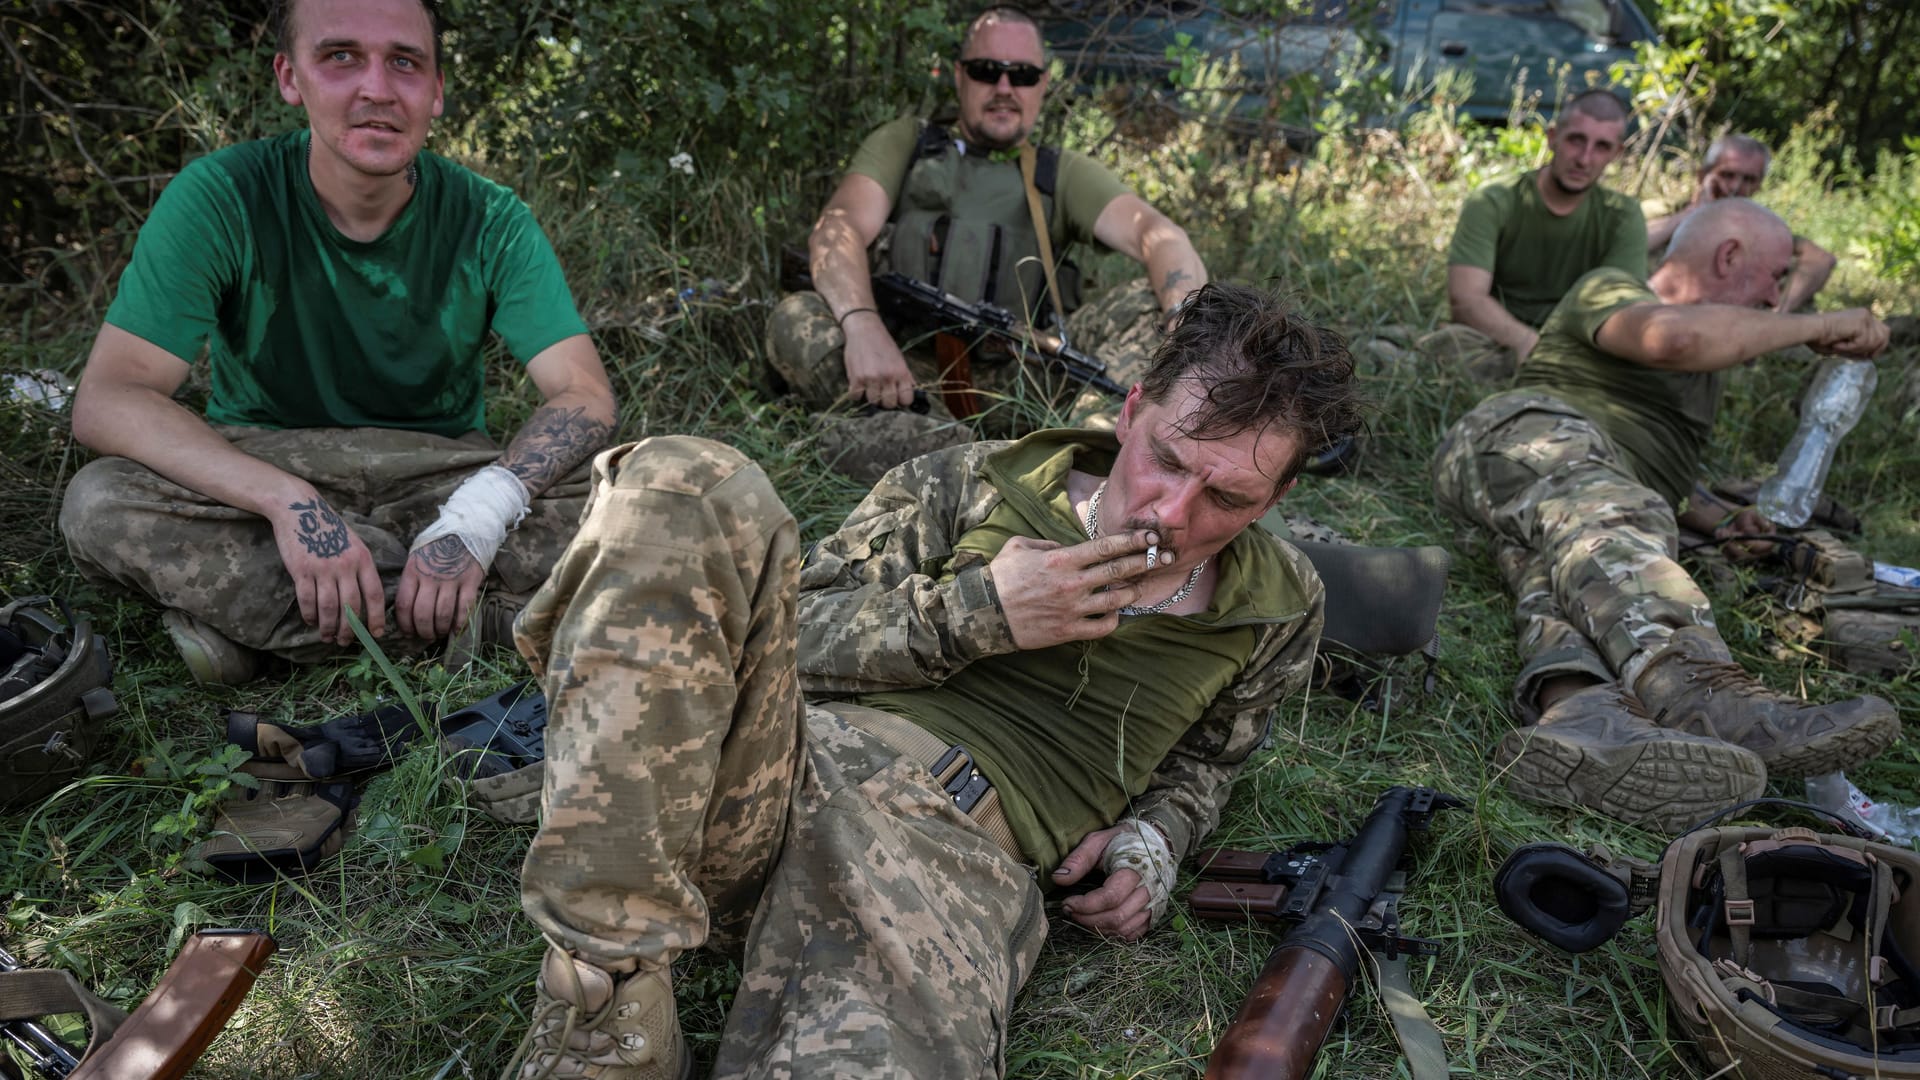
(1418,1037)
(1045,240)
(31,994)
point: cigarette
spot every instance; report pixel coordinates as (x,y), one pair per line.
(1153,556)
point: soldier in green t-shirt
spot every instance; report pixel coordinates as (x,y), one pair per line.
(343,282)
(954,206)
(1580,478)
(1522,241)
(1735,167)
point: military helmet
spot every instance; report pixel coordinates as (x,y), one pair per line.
(1791,953)
(54,697)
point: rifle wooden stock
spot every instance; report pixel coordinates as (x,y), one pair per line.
(1279,1029)
(171,1029)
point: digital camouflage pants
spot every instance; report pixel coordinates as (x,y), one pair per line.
(1587,550)
(691,796)
(125,523)
(807,350)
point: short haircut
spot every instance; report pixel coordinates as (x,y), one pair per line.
(1002,13)
(1739,144)
(280,22)
(1597,104)
(1257,364)
(1710,224)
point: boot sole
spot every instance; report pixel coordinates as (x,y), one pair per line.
(1668,784)
(1836,750)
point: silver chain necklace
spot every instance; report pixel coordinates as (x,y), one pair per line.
(1093,533)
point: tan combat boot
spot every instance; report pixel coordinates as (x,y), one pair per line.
(1694,685)
(592,1023)
(1597,748)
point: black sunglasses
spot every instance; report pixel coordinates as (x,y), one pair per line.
(989,72)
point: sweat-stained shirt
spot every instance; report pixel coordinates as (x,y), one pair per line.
(1534,255)
(308,328)
(1661,420)
(898,612)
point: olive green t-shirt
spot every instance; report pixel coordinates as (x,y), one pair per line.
(1661,420)
(1081,191)
(1069,734)
(1534,255)
(308,328)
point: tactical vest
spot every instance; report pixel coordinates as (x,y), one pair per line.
(962,223)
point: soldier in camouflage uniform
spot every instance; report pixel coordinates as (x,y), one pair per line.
(975,726)
(1635,705)
(951,208)
(343,282)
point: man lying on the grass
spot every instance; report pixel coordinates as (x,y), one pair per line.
(344,282)
(1015,668)
(1581,477)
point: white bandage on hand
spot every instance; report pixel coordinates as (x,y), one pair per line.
(1141,848)
(479,512)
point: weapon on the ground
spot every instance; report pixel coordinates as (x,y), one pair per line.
(168,1032)
(505,732)
(43,1050)
(1340,898)
(959,326)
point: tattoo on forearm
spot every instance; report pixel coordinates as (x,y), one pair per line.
(1174,277)
(321,531)
(444,558)
(552,443)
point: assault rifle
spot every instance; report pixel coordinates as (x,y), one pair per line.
(959,327)
(1340,898)
(161,1039)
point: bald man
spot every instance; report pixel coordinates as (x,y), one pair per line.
(1579,477)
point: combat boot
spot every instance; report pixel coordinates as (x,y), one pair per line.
(211,656)
(591,1023)
(1597,748)
(1694,685)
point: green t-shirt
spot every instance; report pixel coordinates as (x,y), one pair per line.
(1069,734)
(1661,420)
(1082,189)
(1534,255)
(307,328)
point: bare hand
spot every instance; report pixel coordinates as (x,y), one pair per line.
(1052,594)
(1120,907)
(1732,535)
(332,570)
(437,589)
(1852,333)
(876,371)
(1526,346)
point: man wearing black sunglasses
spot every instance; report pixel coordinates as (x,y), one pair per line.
(954,205)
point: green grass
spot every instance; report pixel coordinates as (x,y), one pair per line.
(407,956)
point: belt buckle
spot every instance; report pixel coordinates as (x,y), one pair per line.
(968,785)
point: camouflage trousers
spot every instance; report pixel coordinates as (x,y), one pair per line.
(1459,347)
(691,796)
(806,348)
(1586,549)
(125,523)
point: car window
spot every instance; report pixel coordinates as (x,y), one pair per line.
(1351,11)
(1592,18)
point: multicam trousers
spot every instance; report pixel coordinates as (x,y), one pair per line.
(1587,550)
(692,796)
(1461,347)
(806,348)
(125,523)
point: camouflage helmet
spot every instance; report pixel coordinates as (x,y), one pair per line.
(1792,953)
(54,697)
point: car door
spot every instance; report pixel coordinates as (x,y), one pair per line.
(1501,42)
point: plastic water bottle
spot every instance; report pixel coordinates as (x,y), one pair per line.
(1832,406)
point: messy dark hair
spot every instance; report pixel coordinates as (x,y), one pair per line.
(1257,365)
(280,23)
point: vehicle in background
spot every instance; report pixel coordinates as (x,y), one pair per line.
(1288,62)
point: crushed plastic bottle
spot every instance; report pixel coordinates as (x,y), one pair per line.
(1903,577)
(1833,405)
(45,388)
(1888,821)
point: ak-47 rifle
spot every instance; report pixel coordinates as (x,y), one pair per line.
(1340,898)
(158,1041)
(959,326)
